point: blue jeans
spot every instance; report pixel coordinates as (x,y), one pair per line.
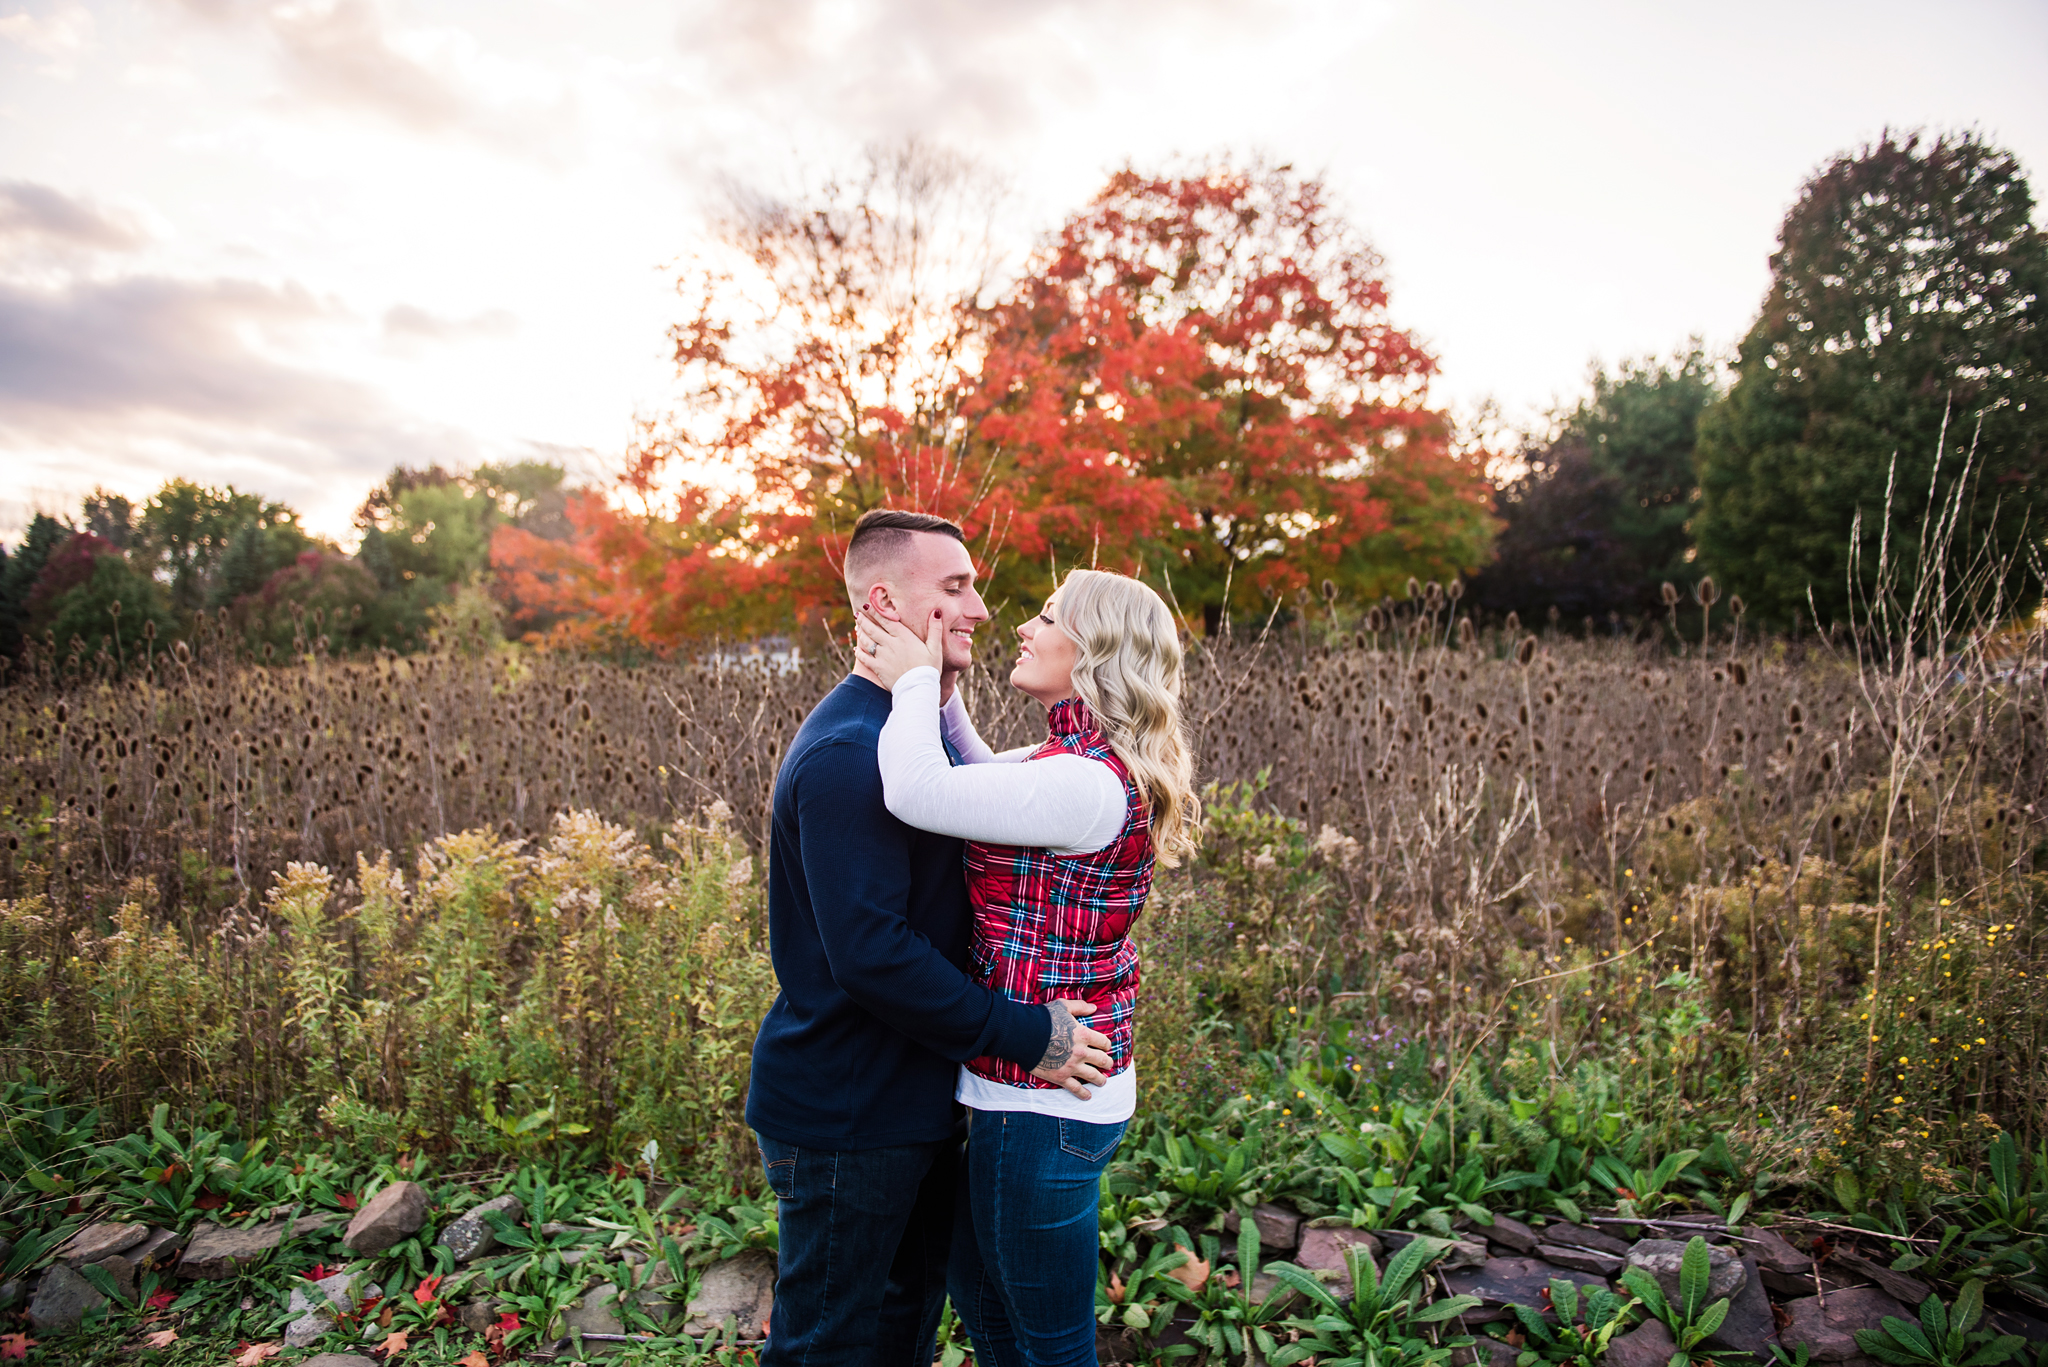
(862,1263)
(1026,1243)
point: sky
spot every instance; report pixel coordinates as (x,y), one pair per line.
(286,246)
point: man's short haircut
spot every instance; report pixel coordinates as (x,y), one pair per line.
(881,535)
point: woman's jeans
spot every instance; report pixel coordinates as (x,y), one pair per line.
(1026,1244)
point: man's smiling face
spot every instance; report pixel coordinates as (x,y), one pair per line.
(937,575)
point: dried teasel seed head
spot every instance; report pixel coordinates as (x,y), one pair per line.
(1793,715)
(1329,590)
(1414,587)
(1464,630)
(1514,623)
(1740,671)
(1526,651)
(1669,592)
(1707,591)
(149,631)
(1736,605)
(1455,590)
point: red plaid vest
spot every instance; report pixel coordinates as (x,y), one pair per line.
(1049,926)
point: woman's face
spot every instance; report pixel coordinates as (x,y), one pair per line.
(1045,659)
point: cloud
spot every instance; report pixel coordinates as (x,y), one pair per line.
(957,69)
(65,32)
(348,55)
(37,216)
(111,368)
(407,323)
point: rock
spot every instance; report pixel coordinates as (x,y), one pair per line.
(312,1224)
(658,1274)
(61,1300)
(315,1306)
(595,1314)
(471,1235)
(657,1305)
(219,1252)
(158,1249)
(742,1287)
(1511,1234)
(12,1293)
(122,1269)
(95,1242)
(1900,1287)
(1501,1282)
(1322,1250)
(1750,1327)
(1278,1226)
(1649,1344)
(1829,1331)
(393,1215)
(1661,1259)
(477,1316)
(1581,1259)
(1580,1236)
(1457,1252)
(338,1360)
(2004,1321)
(1712,1228)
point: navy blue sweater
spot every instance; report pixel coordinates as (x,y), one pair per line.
(868,926)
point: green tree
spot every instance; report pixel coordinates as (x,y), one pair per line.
(91,595)
(18,574)
(1597,518)
(187,529)
(1907,293)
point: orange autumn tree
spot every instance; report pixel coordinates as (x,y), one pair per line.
(1198,381)
(1195,380)
(821,360)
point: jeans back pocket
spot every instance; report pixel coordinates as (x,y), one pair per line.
(778,1160)
(1090,1143)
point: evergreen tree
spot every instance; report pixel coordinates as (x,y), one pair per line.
(1597,519)
(18,578)
(1908,293)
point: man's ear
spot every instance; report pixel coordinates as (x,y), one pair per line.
(884,605)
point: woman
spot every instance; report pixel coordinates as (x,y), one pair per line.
(1062,839)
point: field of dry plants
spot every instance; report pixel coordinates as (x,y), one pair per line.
(1793,889)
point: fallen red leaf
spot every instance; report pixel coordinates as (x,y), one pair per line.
(347,1200)
(256,1354)
(424,1292)
(319,1272)
(209,1201)
(395,1342)
(509,1321)
(162,1338)
(161,1300)
(475,1358)
(15,1345)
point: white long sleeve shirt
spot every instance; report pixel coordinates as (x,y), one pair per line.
(1068,804)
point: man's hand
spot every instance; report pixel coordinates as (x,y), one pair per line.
(1075,1054)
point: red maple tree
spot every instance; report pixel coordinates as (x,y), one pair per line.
(1195,379)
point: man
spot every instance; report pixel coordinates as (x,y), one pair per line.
(854,1068)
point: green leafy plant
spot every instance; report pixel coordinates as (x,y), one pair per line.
(1385,1322)
(1642,1191)
(157,1176)
(1228,1320)
(1573,1339)
(1943,1337)
(1135,1302)
(1692,1320)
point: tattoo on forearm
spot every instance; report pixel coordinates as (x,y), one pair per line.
(1060,1048)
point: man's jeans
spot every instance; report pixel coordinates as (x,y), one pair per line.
(864,1238)
(1027,1238)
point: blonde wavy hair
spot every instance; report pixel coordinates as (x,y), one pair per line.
(1128,670)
